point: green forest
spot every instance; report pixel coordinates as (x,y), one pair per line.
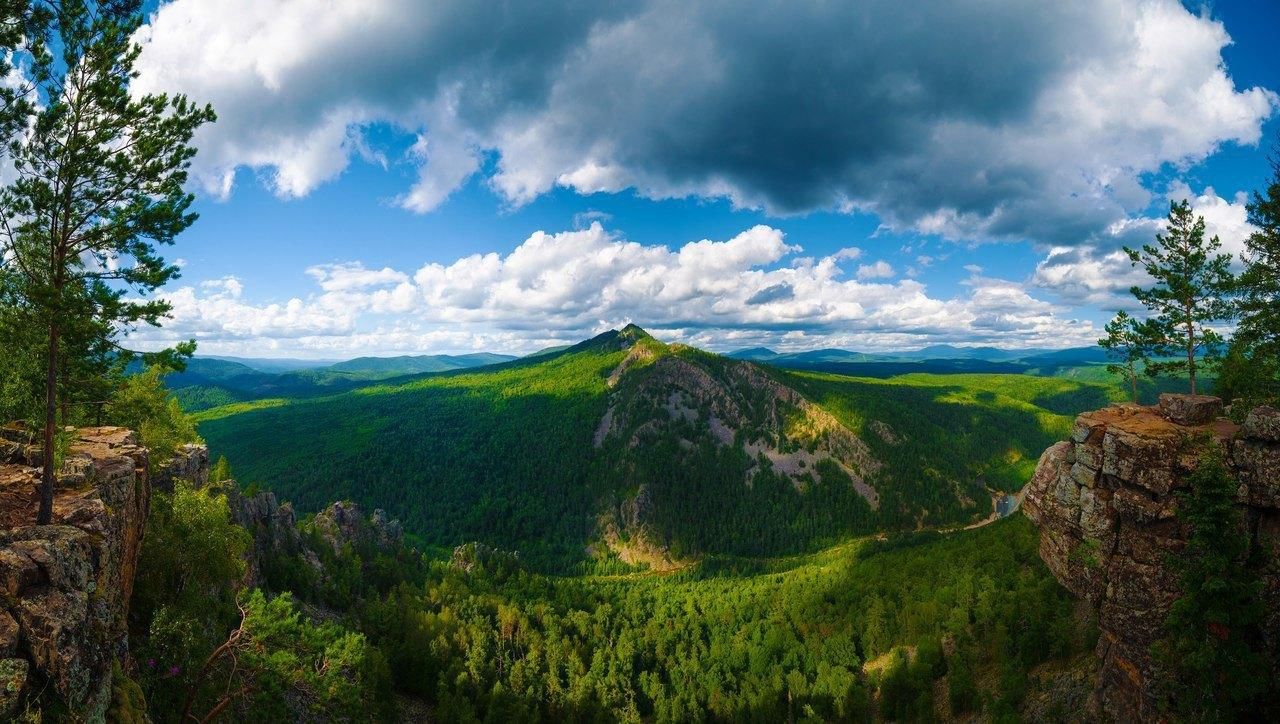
(913,627)
(505,455)
(622,529)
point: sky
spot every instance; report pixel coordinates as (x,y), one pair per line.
(396,177)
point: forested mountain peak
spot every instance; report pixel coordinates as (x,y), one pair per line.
(613,340)
(649,452)
(676,408)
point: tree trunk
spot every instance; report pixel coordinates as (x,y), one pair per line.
(1191,359)
(45,516)
(1133,382)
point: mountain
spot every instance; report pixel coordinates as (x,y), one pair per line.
(408,365)
(213,381)
(756,354)
(947,351)
(275,364)
(650,453)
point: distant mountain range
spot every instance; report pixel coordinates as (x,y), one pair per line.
(213,381)
(623,448)
(940,358)
(217,380)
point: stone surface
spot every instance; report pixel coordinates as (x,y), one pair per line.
(1190,409)
(344,523)
(272,525)
(189,463)
(1263,424)
(1108,538)
(66,587)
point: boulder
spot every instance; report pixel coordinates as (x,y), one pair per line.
(1190,409)
(1262,424)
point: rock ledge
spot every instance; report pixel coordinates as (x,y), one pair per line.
(1106,505)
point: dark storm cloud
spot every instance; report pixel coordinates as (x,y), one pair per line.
(973,119)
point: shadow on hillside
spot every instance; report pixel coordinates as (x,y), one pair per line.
(454,464)
(1075,401)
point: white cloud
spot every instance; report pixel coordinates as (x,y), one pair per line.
(1044,132)
(1101,275)
(353,275)
(878,270)
(572,284)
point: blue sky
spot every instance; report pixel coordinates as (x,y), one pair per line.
(387,178)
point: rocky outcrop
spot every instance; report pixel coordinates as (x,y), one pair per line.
(1106,503)
(67,586)
(190,463)
(656,395)
(470,557)
(271,524)
(344,523)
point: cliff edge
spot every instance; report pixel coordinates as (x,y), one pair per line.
(65,588)
(1106,505)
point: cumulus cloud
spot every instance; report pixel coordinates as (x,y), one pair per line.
(878,270)
(970,119)
(756,286)
(1101,274)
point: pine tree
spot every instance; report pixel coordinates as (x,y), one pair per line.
(1192,285)
(1259,284)
(99,186)
(1124,343)
(1212,669)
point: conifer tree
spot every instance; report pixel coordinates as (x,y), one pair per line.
(1192,286)
(1259,284)
(1212,668)
(1124,344)
(99,186)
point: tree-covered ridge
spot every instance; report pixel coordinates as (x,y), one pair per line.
(661,452)
(208,382)
(502,455)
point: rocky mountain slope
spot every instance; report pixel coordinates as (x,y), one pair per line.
(711,408)
(1106,502)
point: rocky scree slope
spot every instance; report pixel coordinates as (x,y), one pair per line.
(65,588)
(1106,503)
(684,406)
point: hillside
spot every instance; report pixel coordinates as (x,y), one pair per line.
(212,381)
(653,453)
(376,367)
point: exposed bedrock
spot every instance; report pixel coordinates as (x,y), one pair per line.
(1106,504)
